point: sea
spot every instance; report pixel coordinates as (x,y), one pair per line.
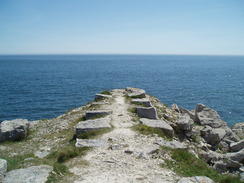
(37,87)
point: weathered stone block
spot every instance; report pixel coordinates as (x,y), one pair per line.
(101,113)
(147,112)
(95,124)
(13,130)
(166,128)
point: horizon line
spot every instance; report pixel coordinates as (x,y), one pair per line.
(152,54)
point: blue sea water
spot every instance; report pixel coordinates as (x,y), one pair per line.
(45,86)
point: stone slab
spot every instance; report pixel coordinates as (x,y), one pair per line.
(90,143)
(34,174)
(158,124)
(94,124)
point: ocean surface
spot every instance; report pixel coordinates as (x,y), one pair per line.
(44,86)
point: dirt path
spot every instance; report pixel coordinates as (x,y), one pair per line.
(124,161)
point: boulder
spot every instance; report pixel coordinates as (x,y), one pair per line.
(90,143)
(238,129)
(95,124)
(3,166)
(236,156)
(34,174)
(185,122)
(171,144)
(237,146)
(230,135)
(213,135)
(197,179)
(147,112)
(100,96)
(175,108)
(191,114)
(219,166)
(145,102)
(100,113)
(135,92)
(14,130)
(207,116)
(166,128)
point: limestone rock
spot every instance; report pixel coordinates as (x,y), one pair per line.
(41,154)
(213,135)
(95,124)
(34,174)
(237,146)
(147,112)
(166,128)
(197,179)
(3,166)
(191,114)
(175,108)
(207,116)
(136,92)
(185,122)
(14,130)
(100,113)
(219,166)
(145,102)
(171,144)
(238,129)
(236,156)
(90,143)
(102,96)
(230,135)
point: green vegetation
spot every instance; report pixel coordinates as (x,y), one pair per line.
(145,130)
(106,92)
(92,134)
(187,165)
(132,109)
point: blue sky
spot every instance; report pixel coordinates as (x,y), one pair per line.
(213,27)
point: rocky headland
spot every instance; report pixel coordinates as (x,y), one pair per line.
(125,136)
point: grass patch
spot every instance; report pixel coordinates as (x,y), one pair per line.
(106,92)
(91,134)
(132,109)
(187,165)
(146,130)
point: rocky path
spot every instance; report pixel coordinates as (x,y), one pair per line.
(126,159)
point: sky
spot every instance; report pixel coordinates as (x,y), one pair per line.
(205,27)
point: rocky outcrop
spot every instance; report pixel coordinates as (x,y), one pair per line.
(34,174)
(147,112)
(213,136)
(100,113)
(166,128)
(207,116)
(238,129)
(237,146)
(185,122)
(14,130)
(145,102)
(95,124)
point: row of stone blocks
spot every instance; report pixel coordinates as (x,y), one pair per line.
(95,120)
(147,112)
